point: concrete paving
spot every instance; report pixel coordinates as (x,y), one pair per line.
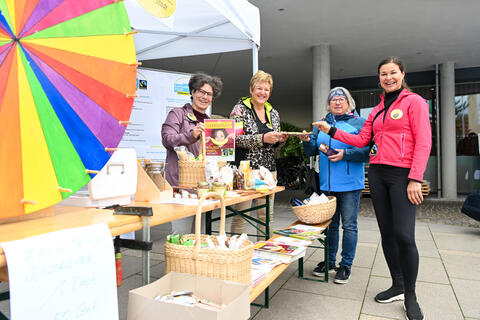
(447,286)
(448,282)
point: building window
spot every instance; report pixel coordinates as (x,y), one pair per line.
(467,123)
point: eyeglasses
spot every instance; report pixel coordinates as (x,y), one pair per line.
(339,100)
(203,92)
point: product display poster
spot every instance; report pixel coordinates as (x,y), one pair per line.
(67,274)
(158,93)
(220,139)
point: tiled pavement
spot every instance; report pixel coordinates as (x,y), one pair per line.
(448,283)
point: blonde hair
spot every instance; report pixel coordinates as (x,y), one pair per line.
(351,102)
(261,76)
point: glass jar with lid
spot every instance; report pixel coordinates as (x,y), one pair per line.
(202,188)
(156,172)
(219,187)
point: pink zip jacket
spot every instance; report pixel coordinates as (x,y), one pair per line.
(403,139)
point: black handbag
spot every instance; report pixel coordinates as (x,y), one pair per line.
(313,182)
(471,206)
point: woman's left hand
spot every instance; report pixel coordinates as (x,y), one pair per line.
(414,192)
(283,138)
(336,157)
(273,137)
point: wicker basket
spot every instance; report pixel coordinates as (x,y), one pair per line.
(316,213)
(234,265)
(191,172)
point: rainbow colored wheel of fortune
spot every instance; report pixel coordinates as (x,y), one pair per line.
(67,84)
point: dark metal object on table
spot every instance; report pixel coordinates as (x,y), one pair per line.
(133,211)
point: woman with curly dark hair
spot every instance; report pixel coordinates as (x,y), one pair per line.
(183,127)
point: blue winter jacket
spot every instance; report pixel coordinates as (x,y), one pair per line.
(349,173)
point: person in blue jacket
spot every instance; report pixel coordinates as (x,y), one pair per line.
(341,175)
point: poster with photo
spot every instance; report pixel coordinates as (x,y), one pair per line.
(220,139)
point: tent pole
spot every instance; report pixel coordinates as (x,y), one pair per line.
(254,57)
(437,118)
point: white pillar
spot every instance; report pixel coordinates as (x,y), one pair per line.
(321,79)
(447,134)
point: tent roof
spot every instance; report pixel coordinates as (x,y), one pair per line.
(196,27)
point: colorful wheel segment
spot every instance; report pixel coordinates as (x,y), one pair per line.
(67,84)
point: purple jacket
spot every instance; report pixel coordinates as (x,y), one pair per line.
(177,131)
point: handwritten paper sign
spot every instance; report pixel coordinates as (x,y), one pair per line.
(63,275)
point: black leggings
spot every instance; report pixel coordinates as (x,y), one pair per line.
(396,220)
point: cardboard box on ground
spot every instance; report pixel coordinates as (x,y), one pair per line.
(234,295)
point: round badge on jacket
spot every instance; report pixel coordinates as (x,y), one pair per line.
(191,117)
(396,114)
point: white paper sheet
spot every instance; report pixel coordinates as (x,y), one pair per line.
(68,274)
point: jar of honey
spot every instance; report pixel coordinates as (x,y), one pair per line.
(202,188)
(219,187)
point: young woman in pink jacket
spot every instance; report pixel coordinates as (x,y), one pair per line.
(400,128)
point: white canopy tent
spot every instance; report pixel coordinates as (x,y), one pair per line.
(194,27)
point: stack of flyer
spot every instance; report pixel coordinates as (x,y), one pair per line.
(264,260)
(261,266)
(284,252)
(293,241)
(301,231)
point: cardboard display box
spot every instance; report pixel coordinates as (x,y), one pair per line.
(234,295)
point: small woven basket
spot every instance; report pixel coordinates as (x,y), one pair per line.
(191,172)
(234,265)
(316,213)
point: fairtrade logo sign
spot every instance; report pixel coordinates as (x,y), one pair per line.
(191,117)
(142,84)
(396,114)
(159,8)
